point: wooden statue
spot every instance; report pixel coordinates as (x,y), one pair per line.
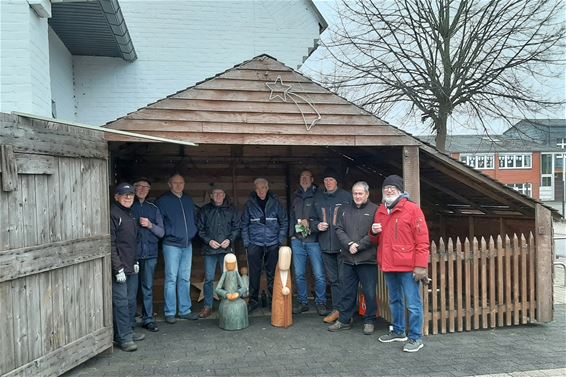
(233,310)
(282,302)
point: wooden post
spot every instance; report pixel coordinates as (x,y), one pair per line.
(411,172)
(8,168)
(544,255)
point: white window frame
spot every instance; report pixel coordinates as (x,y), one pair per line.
(523,188)
(466,158)
(523,156)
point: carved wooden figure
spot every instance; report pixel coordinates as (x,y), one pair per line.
(282,302)
(233,311)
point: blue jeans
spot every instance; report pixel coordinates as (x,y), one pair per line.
(366,274)
(333,264)
(404,289)
(124,308)
(178,262)
(210,263)
(147,272)
(302,250)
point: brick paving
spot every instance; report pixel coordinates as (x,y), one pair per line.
(200,348)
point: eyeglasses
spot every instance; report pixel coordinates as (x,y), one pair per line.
(389,188)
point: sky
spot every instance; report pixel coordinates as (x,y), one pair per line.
(412,124)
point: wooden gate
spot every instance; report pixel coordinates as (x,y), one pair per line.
(55,284)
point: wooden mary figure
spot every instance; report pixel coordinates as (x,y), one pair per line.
(233,310)
(282,301)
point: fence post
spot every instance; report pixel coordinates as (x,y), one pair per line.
(544,255)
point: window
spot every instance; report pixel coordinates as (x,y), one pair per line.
(481,161)
(561,142)
(523,188)
(515,160)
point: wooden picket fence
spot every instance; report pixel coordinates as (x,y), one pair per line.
(476,285)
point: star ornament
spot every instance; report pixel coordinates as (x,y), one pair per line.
(278,89)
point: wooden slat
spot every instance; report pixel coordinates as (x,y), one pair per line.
(245,85)
(67,357)
(31,260)
(442,283)
(434,286)
(5,226)
(97,277)
(20,330)
(516,273)
(15,216)
(524,281)
(8,168)
(250,96)
(500,284)
(46,310)
(29,207)
(288,77)
(484,307)
(544,255)
(69,304)
(33,316)
(492,284)
(35,137)
(59,315)
(451,311)
(475,284)
(508,280)
(27,163)
(532,284)
(54,214)
(459,287)
(107,290)
(468,283)
(7,339)
(65,190)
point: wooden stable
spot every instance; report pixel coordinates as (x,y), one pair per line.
(55,279)
(262,118)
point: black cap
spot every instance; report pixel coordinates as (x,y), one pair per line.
(142,179)
(394,180)
(124,189)
(330,173)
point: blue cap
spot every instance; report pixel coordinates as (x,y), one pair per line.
(124,189)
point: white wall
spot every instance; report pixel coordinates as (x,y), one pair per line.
(61,73)
(24,64)
(179,43)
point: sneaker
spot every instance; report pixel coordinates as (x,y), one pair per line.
(170,320)
(252,305)
(191,316)
(339,326)
(128,346)
(368,328)
(322,310)
(300,308)
(151,326)
(413,345)
(138,337)
(332,317)
(205,313)
(392,337)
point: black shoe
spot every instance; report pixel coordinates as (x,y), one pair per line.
(151,326)
(322,310)
(300,308)
(252,305)
(191,316)
(170,320)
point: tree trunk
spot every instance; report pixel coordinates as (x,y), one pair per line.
(441,133)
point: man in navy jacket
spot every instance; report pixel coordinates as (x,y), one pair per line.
(150,230)
(264,229)
(179,219)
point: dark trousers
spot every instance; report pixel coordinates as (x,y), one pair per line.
(257,256)
(333,265)
(124,307)
(366,274)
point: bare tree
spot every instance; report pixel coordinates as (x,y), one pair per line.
(477,57)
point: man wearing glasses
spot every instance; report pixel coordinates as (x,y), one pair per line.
(150,230)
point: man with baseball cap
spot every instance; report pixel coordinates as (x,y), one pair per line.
(123,235)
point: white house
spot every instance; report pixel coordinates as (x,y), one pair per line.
(94,61)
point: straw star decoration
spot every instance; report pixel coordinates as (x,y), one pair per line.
(278,87)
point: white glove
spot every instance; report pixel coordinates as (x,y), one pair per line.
(121,276)
(136,268)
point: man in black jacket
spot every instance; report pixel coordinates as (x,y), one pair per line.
(264,229)
(352,229)
(218,226)
(123,236)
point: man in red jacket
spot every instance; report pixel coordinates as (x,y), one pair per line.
(403,252)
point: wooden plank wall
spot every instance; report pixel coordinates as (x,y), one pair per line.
(53,245)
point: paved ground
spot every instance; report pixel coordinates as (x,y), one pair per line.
(200,348)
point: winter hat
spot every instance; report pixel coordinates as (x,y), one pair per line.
(330,173)
(394,180)
(124,189)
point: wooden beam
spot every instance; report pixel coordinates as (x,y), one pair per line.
(544,258)
(34,164)
(411,172)
(8,168)
(17,263)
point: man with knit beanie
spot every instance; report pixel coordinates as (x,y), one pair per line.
(401,233)
(327,203)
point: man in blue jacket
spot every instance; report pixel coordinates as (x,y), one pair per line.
(150,230)
(179,219)
(264,229)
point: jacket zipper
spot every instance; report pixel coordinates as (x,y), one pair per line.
(185,219)
(396,222)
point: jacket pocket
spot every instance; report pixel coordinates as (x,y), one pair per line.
(403,255)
